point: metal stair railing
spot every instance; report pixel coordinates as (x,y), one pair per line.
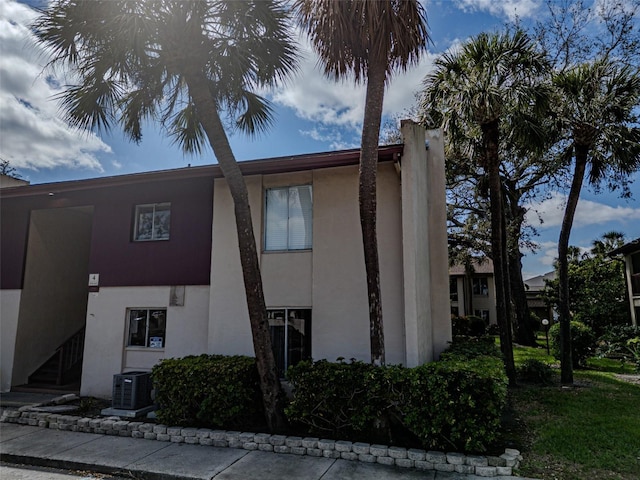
(69,354)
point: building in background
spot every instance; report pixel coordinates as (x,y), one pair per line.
(631,252)
(472,291)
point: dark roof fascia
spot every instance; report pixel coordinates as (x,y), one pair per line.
(631,247)
(296,163)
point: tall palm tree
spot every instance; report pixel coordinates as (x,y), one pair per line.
(182,63)
(482,94)
(597,108)
(370,40)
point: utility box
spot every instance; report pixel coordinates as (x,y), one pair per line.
(131,390)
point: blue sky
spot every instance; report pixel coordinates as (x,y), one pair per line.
(313,114)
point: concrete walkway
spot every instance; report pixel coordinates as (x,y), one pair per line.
(21,444)
(157,460)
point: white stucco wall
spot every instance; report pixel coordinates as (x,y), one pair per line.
(425,261)
(9,309)
(105,350)
(330,278)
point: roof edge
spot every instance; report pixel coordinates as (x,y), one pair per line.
(266,166)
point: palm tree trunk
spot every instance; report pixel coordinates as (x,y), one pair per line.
(368,207)
(490,138)
(208,116)
(566,361)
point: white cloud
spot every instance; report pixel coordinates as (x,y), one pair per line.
(33,134)
(588,213)
(510,9)
(316,98)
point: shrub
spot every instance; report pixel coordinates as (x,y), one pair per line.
(468,326)
(453,403)
(345,400)
(582,343)
(621,342)
(471,347)
(457,403)
(208,390)
(536,372)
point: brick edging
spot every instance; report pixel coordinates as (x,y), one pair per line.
(480,465)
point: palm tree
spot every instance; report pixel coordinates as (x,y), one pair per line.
(597,110)
(482,94)
(182,63)
(369,39)
(608,242)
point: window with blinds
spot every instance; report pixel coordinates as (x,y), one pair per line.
(288,218)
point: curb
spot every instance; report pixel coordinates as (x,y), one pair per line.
(480,465)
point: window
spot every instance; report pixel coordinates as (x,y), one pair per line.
(147,327)
(453,289)
(288,219)
(290,336)
(152,222)
(483,314)
(481,286)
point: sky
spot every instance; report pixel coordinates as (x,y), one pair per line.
(312,114)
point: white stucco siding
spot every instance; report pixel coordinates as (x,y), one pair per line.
(329,278)
(9,309)
(229,330)
(340,324)
(105,350)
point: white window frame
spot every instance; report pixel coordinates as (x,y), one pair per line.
(288,247)
(483,292)
(154,237)
(148,345)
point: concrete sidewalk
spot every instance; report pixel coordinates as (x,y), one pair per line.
(22,444)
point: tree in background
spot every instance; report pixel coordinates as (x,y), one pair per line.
(597,114)
(597,288)
(183,64)
(481,95)
(369,40)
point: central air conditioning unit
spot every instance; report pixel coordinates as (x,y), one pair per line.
(131,390)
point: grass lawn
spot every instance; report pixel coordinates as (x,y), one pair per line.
(588,431)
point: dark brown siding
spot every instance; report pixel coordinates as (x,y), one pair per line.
(184,259)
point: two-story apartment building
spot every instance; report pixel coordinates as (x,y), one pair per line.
(121,272)
(472,291)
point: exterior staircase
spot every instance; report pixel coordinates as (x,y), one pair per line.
(62,371)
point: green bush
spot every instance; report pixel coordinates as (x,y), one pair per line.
(536,372)
(343,400)
(621,342)
(456,403)
(453,403)
(582,343)
(208,390)
(468,326)
(471,347)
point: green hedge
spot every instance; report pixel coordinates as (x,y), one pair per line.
(344,400)
(455,403)
(209,391)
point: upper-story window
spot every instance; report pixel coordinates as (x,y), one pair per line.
(152,222)
(288,218)
(481,286)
